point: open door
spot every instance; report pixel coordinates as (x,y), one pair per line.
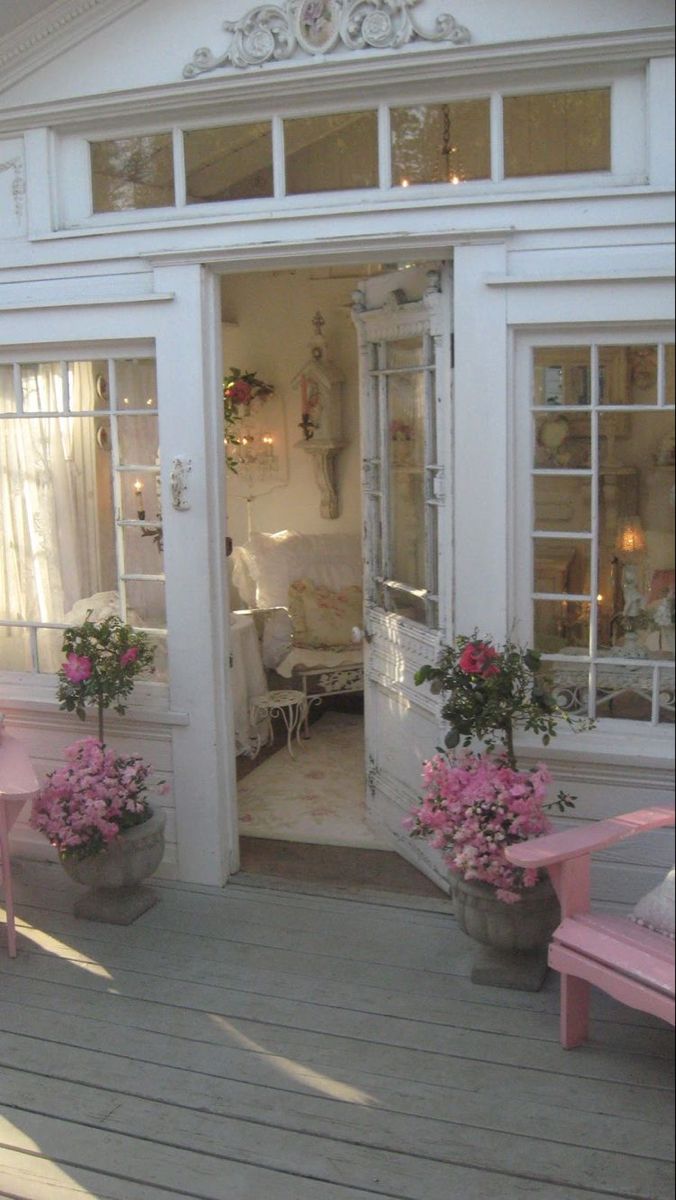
(404,322)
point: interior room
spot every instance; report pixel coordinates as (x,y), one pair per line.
(290,363)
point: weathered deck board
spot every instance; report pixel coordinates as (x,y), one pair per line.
(251,1043)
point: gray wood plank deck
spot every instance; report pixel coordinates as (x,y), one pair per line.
(265,1044)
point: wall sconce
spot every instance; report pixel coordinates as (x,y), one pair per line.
(631,536)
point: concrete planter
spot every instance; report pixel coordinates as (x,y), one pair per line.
(523,927)
(114,875)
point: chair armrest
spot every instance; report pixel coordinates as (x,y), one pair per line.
(575,843)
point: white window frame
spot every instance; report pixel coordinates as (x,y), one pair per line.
(154,695)
(74,206)
(658,735)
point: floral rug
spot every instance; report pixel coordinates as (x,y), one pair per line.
(316,797)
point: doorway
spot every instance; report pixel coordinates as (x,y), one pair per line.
(304,580)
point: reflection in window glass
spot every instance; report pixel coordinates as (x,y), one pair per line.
(64,501)
(132,172)
(406,416)
(628,570)
(331,153)
(7,397)
(628,374)
(669,393)
(136,384)
(561,376)
(441,143)
(229,163)
(557,133)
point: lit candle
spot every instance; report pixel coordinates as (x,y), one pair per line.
(138,492)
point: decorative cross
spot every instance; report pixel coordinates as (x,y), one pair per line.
(318,323)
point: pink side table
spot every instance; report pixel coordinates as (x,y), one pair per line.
(18,785)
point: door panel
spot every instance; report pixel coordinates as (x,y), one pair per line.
(403,323)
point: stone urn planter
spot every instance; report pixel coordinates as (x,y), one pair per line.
(513,937)
(114,876)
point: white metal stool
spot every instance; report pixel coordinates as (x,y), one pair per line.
(290,705)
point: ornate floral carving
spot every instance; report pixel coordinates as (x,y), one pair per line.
(276,31)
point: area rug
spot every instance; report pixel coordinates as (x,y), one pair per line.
(318,796)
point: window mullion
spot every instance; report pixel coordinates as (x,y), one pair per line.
(180,186)
(278,159)
(117,488)
(384,147)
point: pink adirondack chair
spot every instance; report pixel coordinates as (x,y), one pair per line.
(18,785)
(631,963)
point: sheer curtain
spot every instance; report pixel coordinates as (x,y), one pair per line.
(49,546)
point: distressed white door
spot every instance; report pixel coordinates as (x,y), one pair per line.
(404,324)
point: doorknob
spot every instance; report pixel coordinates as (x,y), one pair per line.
(360,635)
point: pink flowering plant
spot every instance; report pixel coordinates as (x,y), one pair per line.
(240,390)
(88,802)
(475,803)
(103,660)
(85,804)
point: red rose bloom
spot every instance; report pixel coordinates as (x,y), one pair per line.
(478,658)
(239,392)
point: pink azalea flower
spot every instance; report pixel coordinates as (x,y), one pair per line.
(77,668)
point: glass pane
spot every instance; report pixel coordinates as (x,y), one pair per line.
(628,374)
(140,495)
(406,443)
(636,531)
(134,172)
(560,625)
(42,387)
(232,163)
(56,499)
(441,143)
(331,154)
(88,386)
(411,607)
(667,687)
(50,651)
(563,442)
(160,673)
(145,604)
(623,692)
(407,352)
(143,550)
(557,133)
(15,650)
(561,566)
(669,396)
(138,440)
(561,376)
(136,383)
(7,396)
(562,503)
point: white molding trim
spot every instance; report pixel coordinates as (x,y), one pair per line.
(378,72)
(51,33)
(87,301)
(273,32)
(644,275)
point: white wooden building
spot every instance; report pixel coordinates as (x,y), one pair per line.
(497,188)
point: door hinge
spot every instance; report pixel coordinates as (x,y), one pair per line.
(371,775)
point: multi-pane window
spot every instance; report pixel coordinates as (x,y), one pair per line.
(80,517)
(602,474)
(401,480)
(447,143)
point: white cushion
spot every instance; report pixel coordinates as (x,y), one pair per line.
(656,909)
(275,560)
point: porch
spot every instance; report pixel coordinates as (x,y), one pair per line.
(299,1043)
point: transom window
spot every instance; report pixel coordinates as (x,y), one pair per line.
(488,138)
(80,518)
(602,541)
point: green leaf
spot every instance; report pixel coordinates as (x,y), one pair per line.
(422,675)
(452,739)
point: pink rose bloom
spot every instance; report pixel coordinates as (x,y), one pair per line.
(129,656)
(239,392)
(77,668)
(478,658)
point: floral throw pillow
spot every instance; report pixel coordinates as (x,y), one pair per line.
(322,617)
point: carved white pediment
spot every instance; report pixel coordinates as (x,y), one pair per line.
(272,32)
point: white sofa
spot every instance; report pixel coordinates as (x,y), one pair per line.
(306,592)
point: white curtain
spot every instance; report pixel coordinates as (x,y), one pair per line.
(48,511)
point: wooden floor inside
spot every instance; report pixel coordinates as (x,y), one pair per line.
(259,1043)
